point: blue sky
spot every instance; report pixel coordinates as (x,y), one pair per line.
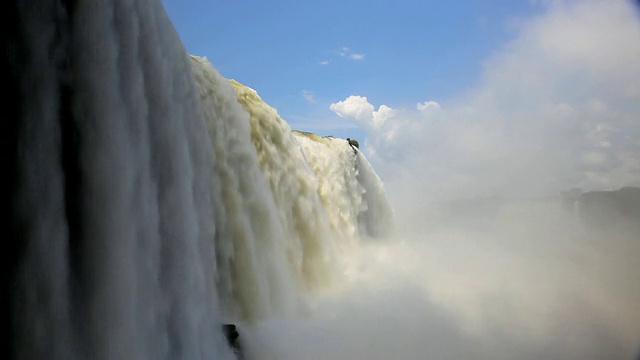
(398,52)
(460,96)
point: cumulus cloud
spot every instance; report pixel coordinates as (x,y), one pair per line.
(358,109)
(354,107)
(557,107)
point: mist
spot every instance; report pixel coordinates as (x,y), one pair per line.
(555,108)
(522,280)
(490,261)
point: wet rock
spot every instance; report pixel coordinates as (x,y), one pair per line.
(233,338)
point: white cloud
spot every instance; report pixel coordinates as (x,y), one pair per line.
(379,117)
(345,52)
(358,109)
(308,95)
(557,107)
(428,106)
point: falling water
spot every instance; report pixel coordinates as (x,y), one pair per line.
(153,199)
(289,205)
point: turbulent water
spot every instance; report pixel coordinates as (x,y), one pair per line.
(286,205)
(113,201)
(151,200)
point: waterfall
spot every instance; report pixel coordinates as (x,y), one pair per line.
(112,203)
(377,218)
(151,199)
(289,204)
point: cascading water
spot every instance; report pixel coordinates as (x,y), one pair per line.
(112,203)
(333,161)
(134,233)
(253,278)
(289,204)
(377,219)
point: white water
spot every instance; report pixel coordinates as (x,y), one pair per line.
(158,200)
(290,206)
(153,205)
(114,198)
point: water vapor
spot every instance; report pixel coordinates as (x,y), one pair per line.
(491,262)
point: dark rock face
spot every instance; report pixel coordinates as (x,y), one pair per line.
(604,211)
(233,338)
